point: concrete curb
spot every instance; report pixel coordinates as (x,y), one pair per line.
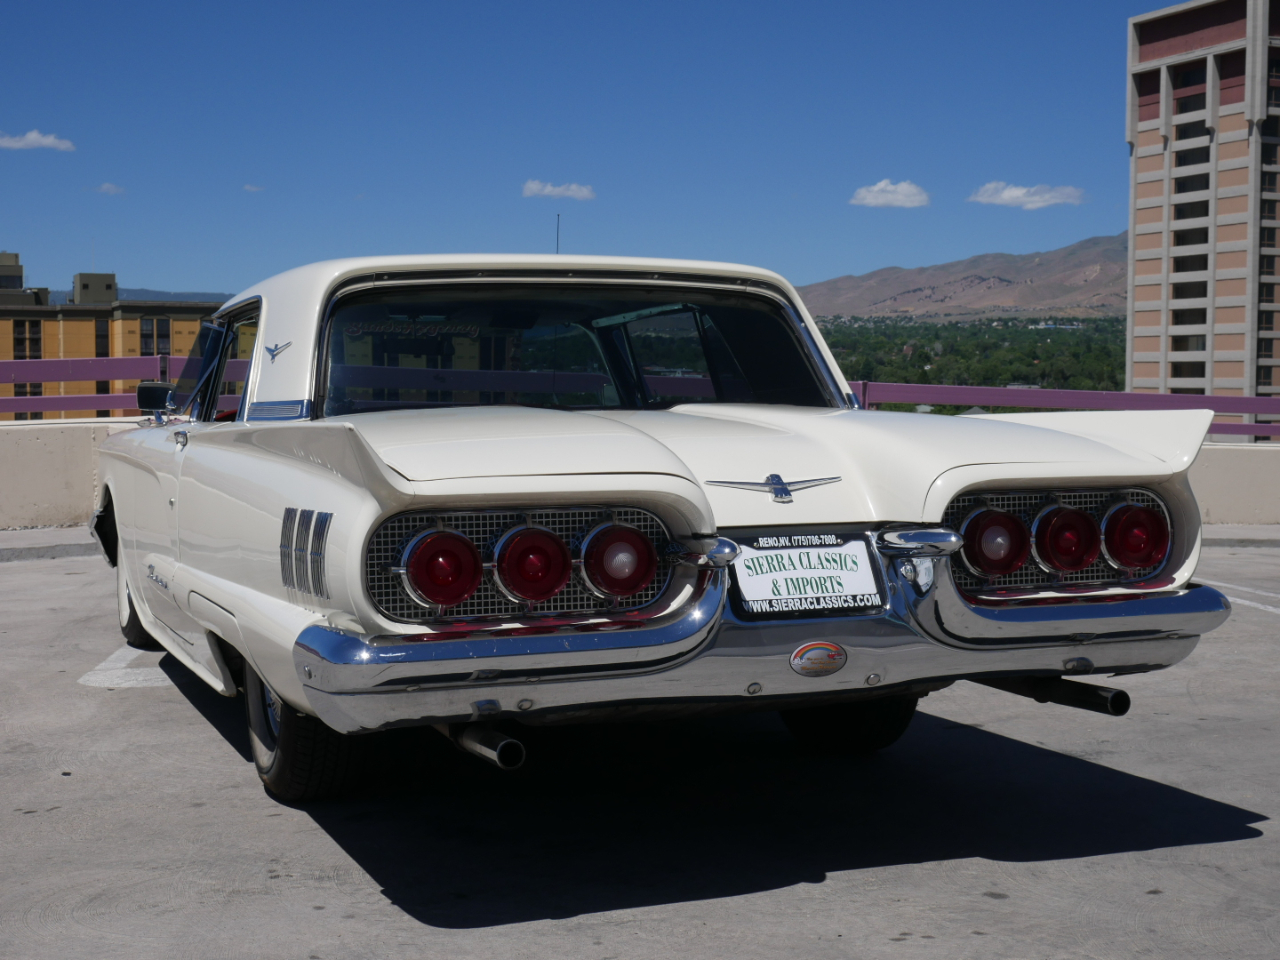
(52,551)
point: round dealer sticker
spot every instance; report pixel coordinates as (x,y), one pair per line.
(818,659)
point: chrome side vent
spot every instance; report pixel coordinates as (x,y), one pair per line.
(319,534)
(304,536)
(286,546)
(300,553)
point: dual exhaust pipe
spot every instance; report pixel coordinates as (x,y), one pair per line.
(507,753)
(1068,693)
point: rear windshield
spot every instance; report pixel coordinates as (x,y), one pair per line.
(563,346)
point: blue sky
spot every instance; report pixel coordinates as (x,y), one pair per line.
(216,144)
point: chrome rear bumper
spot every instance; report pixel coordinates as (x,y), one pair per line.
(702,652)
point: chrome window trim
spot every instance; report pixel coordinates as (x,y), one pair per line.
(837,391)
(276,410)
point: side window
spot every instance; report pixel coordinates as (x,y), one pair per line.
(237,352)
(198,370)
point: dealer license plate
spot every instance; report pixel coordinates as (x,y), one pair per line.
(803,573)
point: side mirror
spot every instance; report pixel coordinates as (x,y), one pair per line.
(155,397)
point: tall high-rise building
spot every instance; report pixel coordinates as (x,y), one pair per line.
(1203,127)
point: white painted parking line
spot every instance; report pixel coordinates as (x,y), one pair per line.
(1236,586)
(116,672)
(1257,606)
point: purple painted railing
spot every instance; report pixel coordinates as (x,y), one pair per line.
(93,368)
(869,393)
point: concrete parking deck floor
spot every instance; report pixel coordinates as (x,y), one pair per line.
(132,824)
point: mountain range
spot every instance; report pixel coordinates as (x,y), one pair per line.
(1085,279)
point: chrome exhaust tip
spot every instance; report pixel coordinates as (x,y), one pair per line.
(1068,693)
(487,743)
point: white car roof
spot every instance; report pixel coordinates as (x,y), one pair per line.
(292,303)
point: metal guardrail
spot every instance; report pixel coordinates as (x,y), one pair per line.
(869,393)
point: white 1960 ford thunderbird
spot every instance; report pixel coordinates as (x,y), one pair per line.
(479,492)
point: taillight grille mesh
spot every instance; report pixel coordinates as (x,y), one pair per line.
(484,529)
(1026,505)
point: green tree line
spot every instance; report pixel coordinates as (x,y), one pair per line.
(1053,352)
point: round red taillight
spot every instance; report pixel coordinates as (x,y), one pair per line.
(996,543)
(533,564)
(1136,537)
(1067,540)
(444,568)
(619,561)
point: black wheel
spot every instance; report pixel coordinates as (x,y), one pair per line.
(852,729)
(135,634)
(297,756)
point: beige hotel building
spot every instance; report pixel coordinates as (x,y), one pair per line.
(1204,133)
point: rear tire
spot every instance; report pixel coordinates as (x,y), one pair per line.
(852,729)
(297,756)
(135,634)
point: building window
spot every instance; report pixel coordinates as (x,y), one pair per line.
(28,389)
(1268,237)
(1266,320)
(1273,96)
(102,338)
(1270,127)
(1266,293)
(1189,158)
(1147,87)
(1188,238)
(1270,154)
(1189,131)
(1264,376)
(1189,318)
(1267,266)
(1190,264)
(1190,211)
(1191,184)
(26,342)
(1198,391)
(1194,290)
(1189,75)
(148,338)
(1188,344)
(162,337)
(1268,210)
(1269,183)
(1191,103)
(1186,369)
(84,286)
(1266,349)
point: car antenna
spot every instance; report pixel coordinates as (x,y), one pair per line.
(557,233)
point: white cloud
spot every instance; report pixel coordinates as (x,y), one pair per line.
(1028,198)
(886,193)
(252,189)
(35,140)
(110,188)
(573,191)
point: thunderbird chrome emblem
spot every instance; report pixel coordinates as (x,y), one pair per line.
(278,349)
(774,484)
